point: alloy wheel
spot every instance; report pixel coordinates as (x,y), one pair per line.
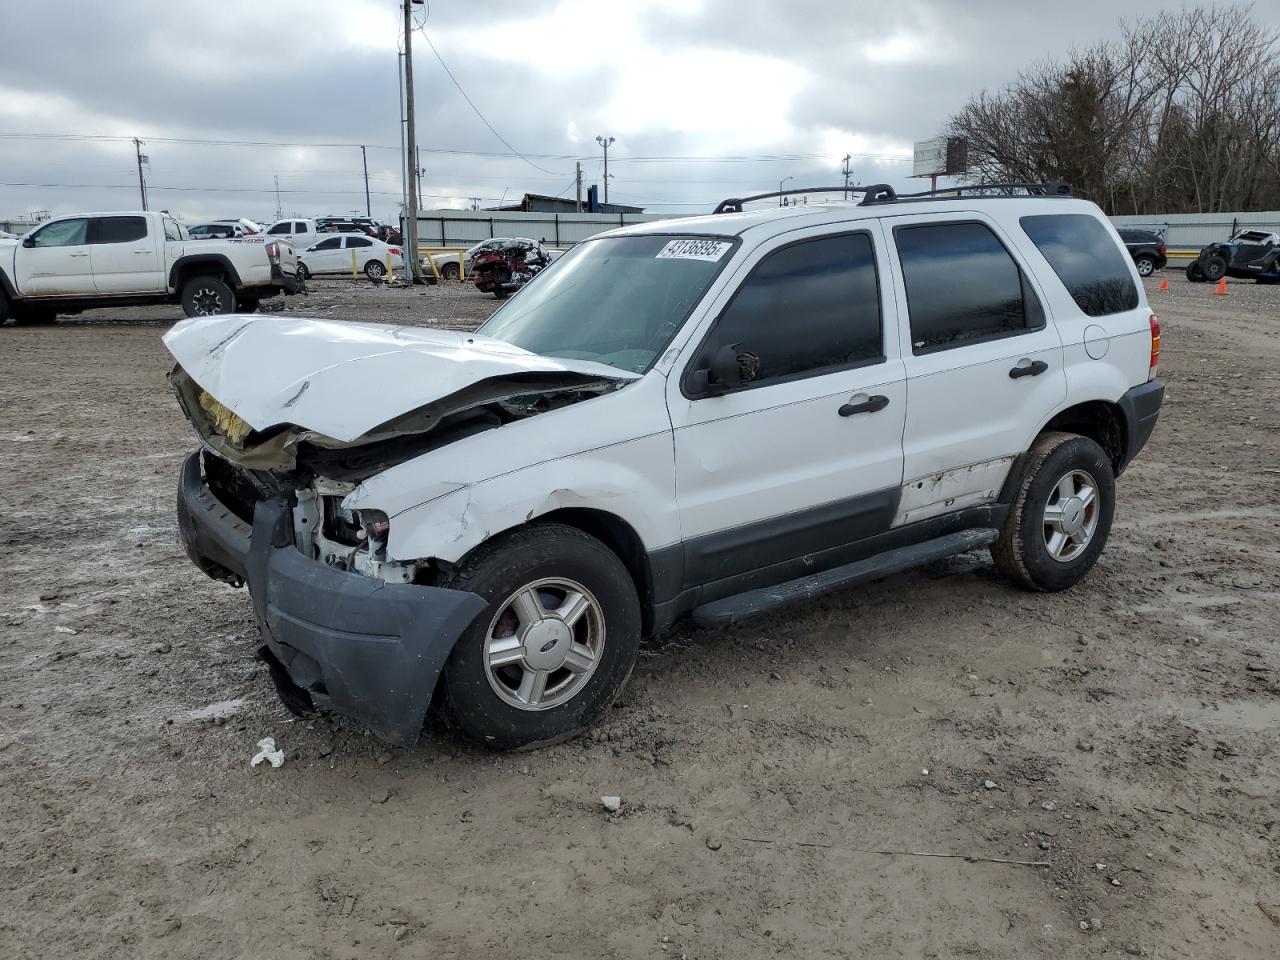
(1071,516)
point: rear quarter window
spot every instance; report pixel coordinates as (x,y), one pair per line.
(1090,264)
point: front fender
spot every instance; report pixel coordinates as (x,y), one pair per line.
(634,481)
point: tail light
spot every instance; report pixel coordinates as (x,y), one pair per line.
(1155,347)
(1163,250)
(273,252)
(394,251)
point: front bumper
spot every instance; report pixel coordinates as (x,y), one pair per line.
(1141,409)
(367,649)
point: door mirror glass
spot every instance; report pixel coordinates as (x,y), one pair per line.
(28,242)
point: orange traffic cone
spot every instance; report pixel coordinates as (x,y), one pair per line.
(1164,284)
(1222,287)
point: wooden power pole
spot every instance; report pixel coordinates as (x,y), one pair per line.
(411,158)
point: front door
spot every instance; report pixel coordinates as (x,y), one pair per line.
(326,256)
(57,264)
(124,258)
(803,454)
(984,367)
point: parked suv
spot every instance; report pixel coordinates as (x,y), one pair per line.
(710,416)
(1147,249)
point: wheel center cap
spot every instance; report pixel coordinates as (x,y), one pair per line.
(546,644)
(1073,514)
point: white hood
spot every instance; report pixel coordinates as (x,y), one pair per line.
(344,379)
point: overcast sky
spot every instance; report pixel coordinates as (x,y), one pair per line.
(803,80)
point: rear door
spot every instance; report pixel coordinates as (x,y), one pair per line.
(57,263)
(805,454)
(125,256)
(360,246)
(984,365)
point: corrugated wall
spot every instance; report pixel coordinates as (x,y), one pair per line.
(462,228)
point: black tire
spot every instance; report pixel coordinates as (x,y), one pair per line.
(501,293)
(496,571)
(303,272)
(1194,273)
(1214,268)
(248,305)
(375,270)
(1022,552)
(1146,265)
(450,271)
(4,309)
(207,296)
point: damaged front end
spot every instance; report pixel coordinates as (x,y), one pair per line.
(266,503)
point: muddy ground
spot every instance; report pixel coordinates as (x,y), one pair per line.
(809,785)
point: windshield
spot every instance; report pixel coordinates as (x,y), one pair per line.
(616,301)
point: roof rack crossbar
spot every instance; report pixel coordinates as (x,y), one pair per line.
(883,193)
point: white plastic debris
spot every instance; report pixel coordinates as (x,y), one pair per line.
(612,804)
(267,751)
(61,629)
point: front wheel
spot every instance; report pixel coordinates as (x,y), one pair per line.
(1061,516)
(553,647)
(1215,268)
(1146,266)
(207,297)
(303,272)
(375,270)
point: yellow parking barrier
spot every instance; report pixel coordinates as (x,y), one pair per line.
(391,273)
(353,265)
(426,253)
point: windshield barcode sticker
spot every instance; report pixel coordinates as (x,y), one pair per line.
(689,249)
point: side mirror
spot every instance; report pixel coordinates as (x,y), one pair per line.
(28,242)
(721,376)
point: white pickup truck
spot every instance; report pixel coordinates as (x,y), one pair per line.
(88,260)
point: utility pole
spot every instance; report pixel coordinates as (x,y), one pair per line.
(847,172)
(417,170)
(411,231)
(142,183)
(364,158)
(578,180)
(604,142)
(279,211)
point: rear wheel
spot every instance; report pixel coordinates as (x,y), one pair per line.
(303,272)
(450,271)
(375,270)
(1146,266)
(207,297)
(1061,516)
(1194,273)
(1215,268)
(553,647)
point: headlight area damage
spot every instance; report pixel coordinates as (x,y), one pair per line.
(292,417)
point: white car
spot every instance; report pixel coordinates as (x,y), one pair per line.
(334,254)
(713,416)
(222,229)
(299,232)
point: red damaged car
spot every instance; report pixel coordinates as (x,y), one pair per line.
(505,269)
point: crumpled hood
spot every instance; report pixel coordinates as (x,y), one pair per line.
(343,379)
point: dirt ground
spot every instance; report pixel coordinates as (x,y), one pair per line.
(824,783)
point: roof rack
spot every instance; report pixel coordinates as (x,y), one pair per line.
(883,193)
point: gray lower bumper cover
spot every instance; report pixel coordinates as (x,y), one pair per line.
(1141,409)
(361,647)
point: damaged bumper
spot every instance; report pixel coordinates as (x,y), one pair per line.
(367,649)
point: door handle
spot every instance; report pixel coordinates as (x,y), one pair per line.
(1025,369)
(870,405)
(79,254)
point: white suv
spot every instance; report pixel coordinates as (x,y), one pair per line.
(716,416)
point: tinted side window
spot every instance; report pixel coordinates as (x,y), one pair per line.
(119,229)
(333,243)
(299,227)
(962,286)
(359,242)
(278,229)
(1087,261)
(807,308)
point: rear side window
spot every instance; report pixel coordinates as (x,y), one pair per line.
(333,243)
(299,228)
(806,309)
(359,242)
(1086,259)
(119,229)
(962,287)
(278,229)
